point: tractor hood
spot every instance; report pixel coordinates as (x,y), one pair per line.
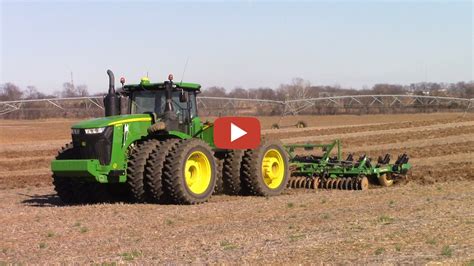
(112,120)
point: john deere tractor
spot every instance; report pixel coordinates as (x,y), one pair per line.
(152,146)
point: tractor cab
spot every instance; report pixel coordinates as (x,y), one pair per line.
(172,103)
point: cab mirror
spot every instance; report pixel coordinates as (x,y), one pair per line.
(183,97)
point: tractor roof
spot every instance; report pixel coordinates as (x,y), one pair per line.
(160,86)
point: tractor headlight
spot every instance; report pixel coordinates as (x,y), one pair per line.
(95,130)
(76,131)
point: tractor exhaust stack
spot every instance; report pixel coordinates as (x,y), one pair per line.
(111,100)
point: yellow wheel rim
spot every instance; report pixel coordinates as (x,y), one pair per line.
(197,172)
(273,168)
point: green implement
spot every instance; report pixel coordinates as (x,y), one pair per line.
(332,172)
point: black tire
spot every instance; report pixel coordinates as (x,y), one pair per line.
(232,172)
(252,178)
(219,189)
(65,189)
(154,170)
(69,189)
(136,168)
(174,182)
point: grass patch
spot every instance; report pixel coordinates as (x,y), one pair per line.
(323,201)
(431,241)
(77,224)
(42,245)
(290,205)
(84,229)
(129,256)
(303,205)
(470,263)
(325,216)
(296,237)
(379,251)
(50,234)
(398,247)
(291,226)
(385,219)
(169,222)
(226,245)
(391,204)
(447,251)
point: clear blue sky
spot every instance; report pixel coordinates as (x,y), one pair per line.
(249,44)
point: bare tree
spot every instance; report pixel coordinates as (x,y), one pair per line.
(69,90)
(10,92)
(215,92)
(33,93)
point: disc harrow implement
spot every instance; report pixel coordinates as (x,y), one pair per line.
(328,171)
(341,183)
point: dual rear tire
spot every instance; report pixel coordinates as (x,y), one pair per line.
(263,171)
(188,172)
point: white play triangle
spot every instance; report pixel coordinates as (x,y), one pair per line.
(236,132)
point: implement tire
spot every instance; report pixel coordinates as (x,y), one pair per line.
(136,168)
(231,172)
(265,170)
(190,172)
(154,170)
(386,180)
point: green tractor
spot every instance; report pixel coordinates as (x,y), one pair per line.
(152,146)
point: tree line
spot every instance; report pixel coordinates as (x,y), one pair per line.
(297,89)
(300,89)
(12,92)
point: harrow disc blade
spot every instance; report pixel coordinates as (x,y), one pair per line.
(340,182)
(347,184)
(329,183)
(300,182)
(317,181)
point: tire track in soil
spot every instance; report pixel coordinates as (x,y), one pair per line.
(329,130)
(467,157)
(461,126)
(25,163)
(449,140)
(34,146)
(25,178)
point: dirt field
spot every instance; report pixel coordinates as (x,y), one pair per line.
(427,218)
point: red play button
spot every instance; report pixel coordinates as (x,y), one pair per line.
(237,132)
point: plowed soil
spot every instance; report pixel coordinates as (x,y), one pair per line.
(429,217)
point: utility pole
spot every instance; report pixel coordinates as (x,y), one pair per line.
(72,80)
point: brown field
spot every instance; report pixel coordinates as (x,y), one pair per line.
(427,218)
